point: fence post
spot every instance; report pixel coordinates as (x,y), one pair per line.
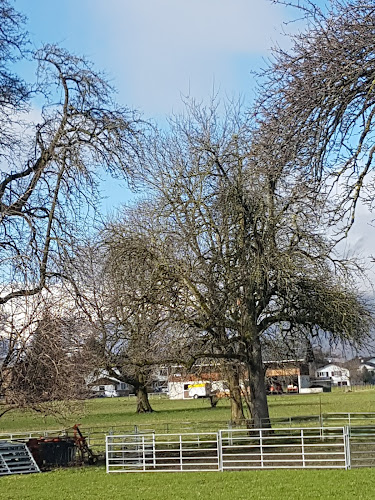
(107,453)
(261,447)
(303,449)
(181,463)
(230,435)
(346,435)
(143,453)
(153,450)
(220,451)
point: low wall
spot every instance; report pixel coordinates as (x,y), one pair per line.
(311,390)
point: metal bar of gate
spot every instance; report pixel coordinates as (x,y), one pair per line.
(347,447)
(181,462)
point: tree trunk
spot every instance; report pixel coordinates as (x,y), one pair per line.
(233,379)
(257,402)
(143,404)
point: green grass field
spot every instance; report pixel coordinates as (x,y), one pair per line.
(112,412)
(94,483)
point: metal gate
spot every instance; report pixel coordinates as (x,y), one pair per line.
(230,450)
(15,458)
(162,452)
(362,446)
(293,448)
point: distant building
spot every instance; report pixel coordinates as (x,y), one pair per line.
(368,364)
(337,375)
(288,375)
(281,377)
(103,385)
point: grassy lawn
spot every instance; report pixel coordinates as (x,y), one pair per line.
(94,483)
(112,412)
(108,412)
(91,483)
(330,402)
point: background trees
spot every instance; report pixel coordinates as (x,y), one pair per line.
(44,361)
(232,244)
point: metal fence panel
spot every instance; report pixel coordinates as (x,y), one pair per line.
(362,446)
(284,448)
(323,419)
(230,450)
(162,452)
(15,458)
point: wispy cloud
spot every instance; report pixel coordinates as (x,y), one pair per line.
(162,48)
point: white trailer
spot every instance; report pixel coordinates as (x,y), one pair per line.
(199,390)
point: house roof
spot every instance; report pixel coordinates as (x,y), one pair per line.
(369,359)
(104,381)
(332,367)
(94,377)
(367,364)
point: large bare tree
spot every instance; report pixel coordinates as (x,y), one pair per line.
(14,93)
(244,241)
(49,164)
(123,291)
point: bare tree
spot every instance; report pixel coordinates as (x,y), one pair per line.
(49,168)
(317,102)
(243,240)
(18,321)
(143,327)
(120,287)
(44,362)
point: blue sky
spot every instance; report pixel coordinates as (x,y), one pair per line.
(155,51)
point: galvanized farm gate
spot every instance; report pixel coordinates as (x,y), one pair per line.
(362,446)
(15,458)
(313,448)
(230,450)
(162,452)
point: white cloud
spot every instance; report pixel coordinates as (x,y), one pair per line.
(360,244)
(217,25)
(162,48)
